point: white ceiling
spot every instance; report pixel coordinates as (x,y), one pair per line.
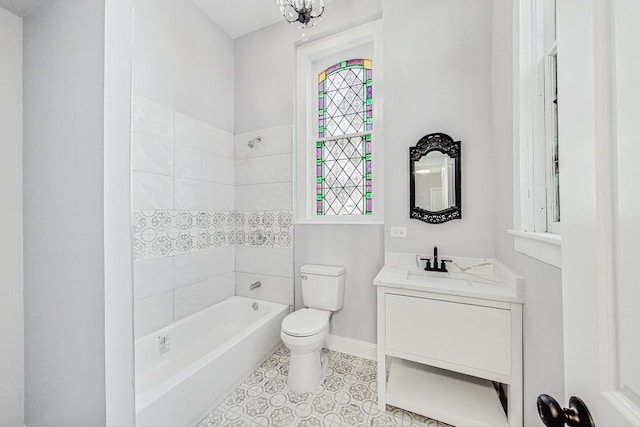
(20,7)
(235,17)
(240,17)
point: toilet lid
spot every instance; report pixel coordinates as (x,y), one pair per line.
(306,322)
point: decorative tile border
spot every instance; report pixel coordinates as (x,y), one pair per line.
(272,229)
(163,233)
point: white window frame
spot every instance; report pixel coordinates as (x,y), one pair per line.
(534,234)
(306,123)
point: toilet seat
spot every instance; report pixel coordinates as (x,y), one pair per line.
(306,322)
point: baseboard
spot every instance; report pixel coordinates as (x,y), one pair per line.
(358,348)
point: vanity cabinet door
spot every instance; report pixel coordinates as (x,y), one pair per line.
(450,334)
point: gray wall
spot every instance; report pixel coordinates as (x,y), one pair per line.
(265,67)
(63,213)
(264,94)
(360,249)
(542,322)
(438,79)
(11,267)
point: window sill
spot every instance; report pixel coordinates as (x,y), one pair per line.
(309,222)
(544,247)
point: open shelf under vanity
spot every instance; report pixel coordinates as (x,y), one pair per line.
(444,395)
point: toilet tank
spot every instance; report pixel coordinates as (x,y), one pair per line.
(323,286)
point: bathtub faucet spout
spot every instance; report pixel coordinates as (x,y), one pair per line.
(255,286)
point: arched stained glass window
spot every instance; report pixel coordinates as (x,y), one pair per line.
(343,148)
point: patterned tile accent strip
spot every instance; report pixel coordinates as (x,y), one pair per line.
(264,228)
(159,234)
(346,397)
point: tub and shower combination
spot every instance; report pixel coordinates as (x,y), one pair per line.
(186,368)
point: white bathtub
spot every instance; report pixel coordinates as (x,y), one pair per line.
(209,352)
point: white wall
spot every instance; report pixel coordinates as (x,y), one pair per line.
(119,346)
(542,314)
(438,79)
(184,61)
(11,258)
(264,93)
(63,214)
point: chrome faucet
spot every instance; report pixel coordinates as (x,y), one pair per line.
(442,268)
(255,286)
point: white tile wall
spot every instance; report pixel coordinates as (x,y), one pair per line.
(191,299)
(180,164)
(273,288)
(264,197)
(203,166)
(202,136)
(152,191)
(200,266)
(153,277)
(183,164)
(270,261)
(276,140)
(264,176)
(151,118)
(153,313)
(196,195)
(151,154)
(262,170)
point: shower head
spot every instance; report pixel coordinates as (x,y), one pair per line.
(252,143)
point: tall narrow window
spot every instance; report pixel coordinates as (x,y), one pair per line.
(551,117)
(343,148)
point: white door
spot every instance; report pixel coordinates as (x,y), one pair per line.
(599,124)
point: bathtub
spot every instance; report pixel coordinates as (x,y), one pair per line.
(184,369)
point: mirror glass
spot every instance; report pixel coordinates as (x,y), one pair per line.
(435,182)
(435,179)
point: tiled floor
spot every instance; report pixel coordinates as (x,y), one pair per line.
(347,397)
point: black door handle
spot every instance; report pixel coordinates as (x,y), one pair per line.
(553,415)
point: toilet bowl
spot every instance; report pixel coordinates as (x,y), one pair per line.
(305,331)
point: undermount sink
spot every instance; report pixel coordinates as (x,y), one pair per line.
(436,278)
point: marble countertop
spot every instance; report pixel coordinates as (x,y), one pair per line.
(483,278)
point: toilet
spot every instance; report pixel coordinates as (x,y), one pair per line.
(305,331)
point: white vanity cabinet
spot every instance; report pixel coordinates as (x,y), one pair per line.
(444,338)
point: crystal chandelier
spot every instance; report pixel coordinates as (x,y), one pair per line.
(305,12)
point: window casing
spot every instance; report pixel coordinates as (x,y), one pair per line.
(338,144)
(536,105)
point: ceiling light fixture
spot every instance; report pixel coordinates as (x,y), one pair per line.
(306,12)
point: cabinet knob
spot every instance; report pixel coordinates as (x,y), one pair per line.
(553,415)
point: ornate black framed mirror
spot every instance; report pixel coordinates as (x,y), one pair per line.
(435,179)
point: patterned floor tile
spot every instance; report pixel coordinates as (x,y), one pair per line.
(346,398)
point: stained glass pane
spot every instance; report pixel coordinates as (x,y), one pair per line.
(345,101)
(343,178)
(343,165)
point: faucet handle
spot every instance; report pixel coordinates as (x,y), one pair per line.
(427,262)
(443,265)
